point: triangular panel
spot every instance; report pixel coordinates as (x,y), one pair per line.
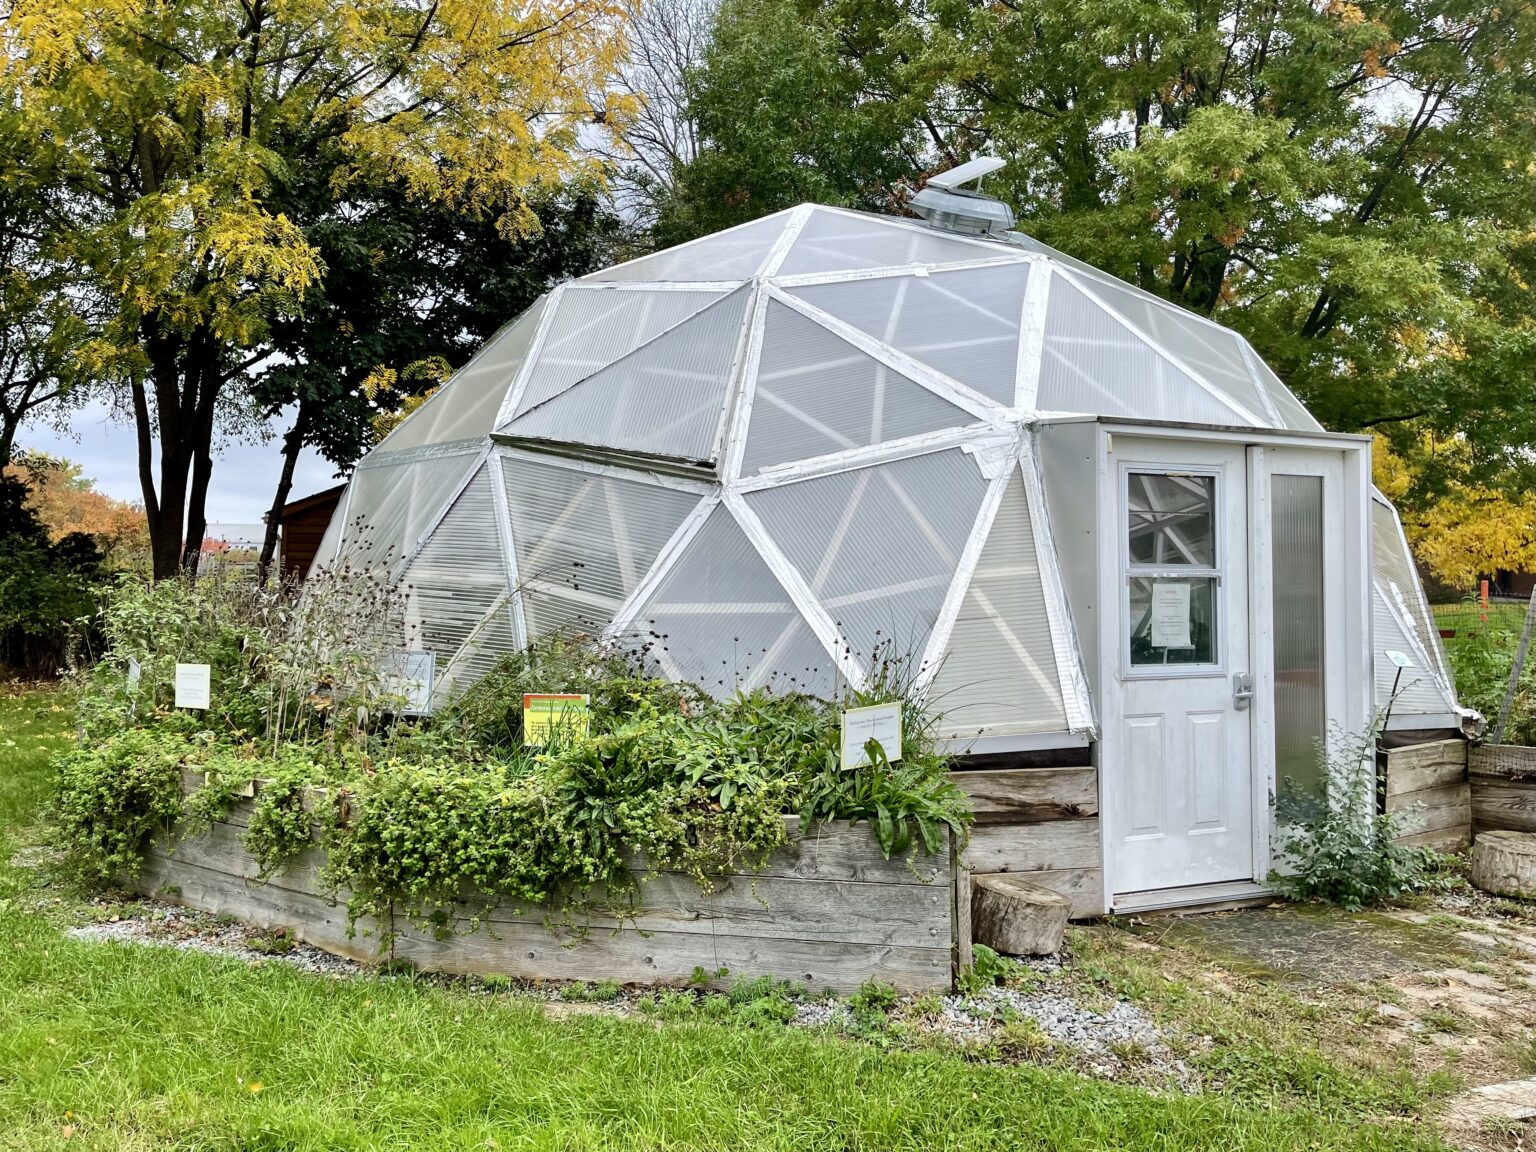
(720,619)
(879,546)
(1418,691)
(391,505)
(817,394)
(664,399)
(964,323)
(1091,362)
(592,327)
(491,641)
(735,254)
(999,675)
(458,576)
(1393,564)
(845,241)
(467,405)
(1293,413)
(584,540)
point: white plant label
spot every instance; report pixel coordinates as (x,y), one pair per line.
(1170,614)
(134,673)
(1399,658)
(194,685)
(411,675)
(878,722)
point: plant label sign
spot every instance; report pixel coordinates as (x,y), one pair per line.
(194,685)
(410,675)
(1399,658)
(135,673)
(878,722)
(545,713)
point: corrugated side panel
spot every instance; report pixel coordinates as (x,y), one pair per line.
(879,546)
(584,541)
(393,504)
(1393,562)
(817,394)
(999,675)
(466,406)
(1213,352)
(663,399)
(735,254)
(458,576)
(1093,363)
(592,327)
(833,242)
(490,642)
(1418,692)
(721,619)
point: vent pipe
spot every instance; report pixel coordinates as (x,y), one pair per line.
(948,206)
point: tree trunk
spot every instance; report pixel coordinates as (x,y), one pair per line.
(293,444)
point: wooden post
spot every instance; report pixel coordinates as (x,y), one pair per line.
(1515,669)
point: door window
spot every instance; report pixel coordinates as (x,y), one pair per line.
(1172,570)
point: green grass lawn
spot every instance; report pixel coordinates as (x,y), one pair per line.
(125,1048)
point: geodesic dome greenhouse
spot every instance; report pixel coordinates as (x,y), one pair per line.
(782,453)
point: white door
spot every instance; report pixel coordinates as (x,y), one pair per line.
(1179,795)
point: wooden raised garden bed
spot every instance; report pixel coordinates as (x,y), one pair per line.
(828,910)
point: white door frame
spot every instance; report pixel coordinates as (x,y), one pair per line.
(1350,633)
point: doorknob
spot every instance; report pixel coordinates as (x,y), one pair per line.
(1242,690)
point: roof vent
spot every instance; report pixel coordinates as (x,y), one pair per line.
(944,204)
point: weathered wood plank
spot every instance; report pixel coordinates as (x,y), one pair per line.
(1503,804)
(1419,755)
(1031,795)
(1415,777)
(1083,886)
(1510,761)
(1033,847)
(1441,840)
(1432,809)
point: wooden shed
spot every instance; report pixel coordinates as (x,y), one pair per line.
(303,524)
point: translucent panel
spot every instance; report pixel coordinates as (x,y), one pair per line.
(467,405)
(1171,519)
(584,541)
(879,546)
(1215,353)
(1296,529)
(1417,689)
(721,619)
(491,641)
(664,399)
(391,505)
(593,327)
(1393,564)
(817,394)
(964,324)
(458,576)
(1093,363)
(836,242)
(735,254)
(325,555)
(999,674)
(1172,621)
(1293,413)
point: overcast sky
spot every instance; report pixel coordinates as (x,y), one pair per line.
(244,471)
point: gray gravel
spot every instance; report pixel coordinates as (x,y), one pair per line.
(172,927)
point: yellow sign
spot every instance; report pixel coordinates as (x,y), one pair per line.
(545,713)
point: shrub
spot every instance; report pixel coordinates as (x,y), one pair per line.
(112,796)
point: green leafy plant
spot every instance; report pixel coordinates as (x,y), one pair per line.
(112,796)
(281,824)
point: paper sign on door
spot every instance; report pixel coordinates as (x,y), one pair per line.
(1170,614)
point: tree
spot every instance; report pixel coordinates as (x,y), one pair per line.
(1351,185)
(411,290)
(67,502)
(174,129)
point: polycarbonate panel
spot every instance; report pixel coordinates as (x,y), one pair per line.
(593,327)
(1417,690)
(325,555)
(1301,707)
(838,242)
(467,405)
(1213,352)
(720,619)
(391,506)
(999,674)
(879,546)
(735,254)
(964,323)
(491,641)
(458,576)
(1093,363)
(1293,413)
(583,540)
(664,399)
(1393,563)
(818,394)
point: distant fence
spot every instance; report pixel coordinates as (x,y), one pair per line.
(1482,640)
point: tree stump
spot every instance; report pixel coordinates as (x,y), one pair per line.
(1011,915)
(1504,863)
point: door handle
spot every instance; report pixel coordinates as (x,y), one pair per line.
(1242,690)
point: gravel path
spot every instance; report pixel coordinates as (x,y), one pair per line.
(172,927)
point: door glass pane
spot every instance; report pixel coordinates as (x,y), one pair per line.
(1173,621)
(1172,519)
(1296,510)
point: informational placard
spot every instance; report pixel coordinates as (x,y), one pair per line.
(1170,614)
(1399,658)
(194,685)
(135,673)
(410,676)
(548,713)
(878,722)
